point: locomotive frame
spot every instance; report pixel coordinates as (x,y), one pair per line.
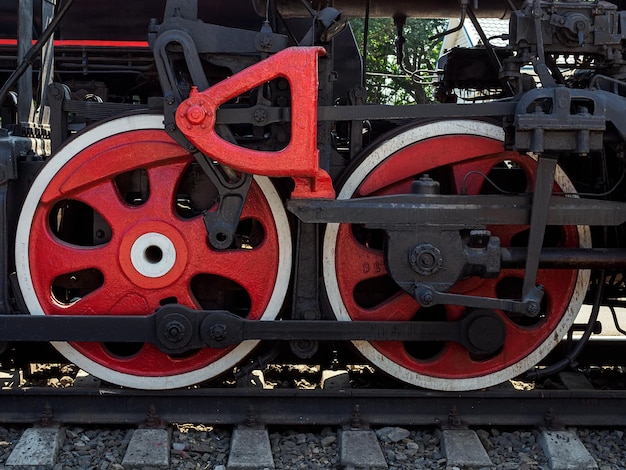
(439,268)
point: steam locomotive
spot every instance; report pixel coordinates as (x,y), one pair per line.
(189,185)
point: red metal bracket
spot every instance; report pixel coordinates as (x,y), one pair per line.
(299,160)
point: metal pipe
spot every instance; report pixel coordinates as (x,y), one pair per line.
(571,356)
(32,53)
(387,9)
(567,258)
(25,83)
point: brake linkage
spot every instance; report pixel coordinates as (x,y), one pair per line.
(232,187)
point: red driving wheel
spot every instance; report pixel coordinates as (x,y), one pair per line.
(113,225)
(464,156)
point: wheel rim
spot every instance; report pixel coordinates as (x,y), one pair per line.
(354,264)
(153,251)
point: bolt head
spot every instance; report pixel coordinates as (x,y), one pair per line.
(426,298)
(266,41)
(260,115)
(532,308)
(219,331)
(425,259)
(196,114)
(174,330)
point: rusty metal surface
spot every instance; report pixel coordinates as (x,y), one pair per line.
(315,407)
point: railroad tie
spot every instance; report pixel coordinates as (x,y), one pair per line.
(37,447)
(463,449)
(565,451)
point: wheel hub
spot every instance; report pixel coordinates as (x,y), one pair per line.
(440,262)
(153,255)
(426,259)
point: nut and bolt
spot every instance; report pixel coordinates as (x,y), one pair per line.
(219,332)
(426,298)
(175,330)
(196,114)
(532,309)
(425,259)
(260,115)
(266,42)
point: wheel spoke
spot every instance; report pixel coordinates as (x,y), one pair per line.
(52,257)
(163,179)
(470,177)
(243,266)
(104,199)
(109,300)
(367,263)
(399,307)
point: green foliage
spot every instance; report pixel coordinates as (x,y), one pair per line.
(386,82)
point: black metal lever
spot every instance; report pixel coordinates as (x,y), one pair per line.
(176,329)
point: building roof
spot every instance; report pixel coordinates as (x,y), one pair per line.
(467,36)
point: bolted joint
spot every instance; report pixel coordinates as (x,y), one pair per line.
(260,115)
(265,41)
(219,331)
(479,238)
(425,259)
(169,99)
(304,348)
(196,114)
(533,301)
(56,92)
(454,419)
(482,255)
(425,185)
(174,330)
(532,309)
(425,297)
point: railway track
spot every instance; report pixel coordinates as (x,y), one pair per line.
(285,394)
(187,446)
(318,407)
(313,428)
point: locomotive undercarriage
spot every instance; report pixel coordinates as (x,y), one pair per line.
(158,248)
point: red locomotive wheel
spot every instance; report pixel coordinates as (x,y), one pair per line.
(113,225)
(459,154)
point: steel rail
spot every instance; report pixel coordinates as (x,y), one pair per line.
(315,407)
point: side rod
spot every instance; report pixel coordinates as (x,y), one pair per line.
(176,329)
